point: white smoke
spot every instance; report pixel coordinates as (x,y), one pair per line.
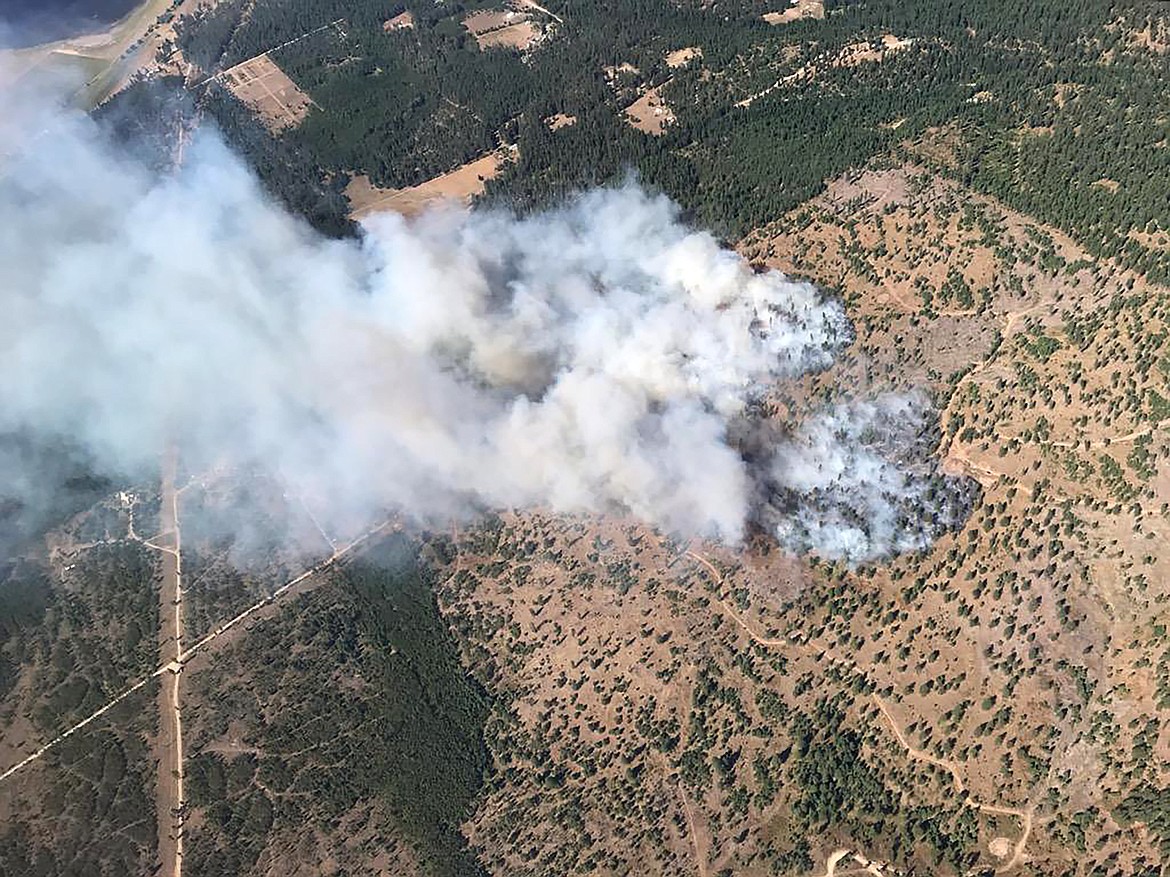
(585,359)
(861,484)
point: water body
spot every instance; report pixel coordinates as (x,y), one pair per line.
(29,22)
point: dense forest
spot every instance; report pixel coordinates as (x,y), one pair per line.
(71,636)
(1053,107)
(367,654)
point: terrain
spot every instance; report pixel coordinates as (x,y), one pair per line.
(984,187)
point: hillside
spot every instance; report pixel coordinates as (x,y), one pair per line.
(986,189)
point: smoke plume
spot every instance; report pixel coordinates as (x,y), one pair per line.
(590,358)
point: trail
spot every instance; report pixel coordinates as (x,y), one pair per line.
(700,860)
(185,656)
(731,613)
(73,730)
(1025,816)
(283,45)
(531,4)
(949,766)
(831,863)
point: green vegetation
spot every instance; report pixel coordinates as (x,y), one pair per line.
(88,809)
(365,705)
(1037,107)
(1150,805)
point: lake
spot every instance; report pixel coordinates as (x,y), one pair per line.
(28,22)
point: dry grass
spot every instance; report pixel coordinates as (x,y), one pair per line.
(560,120)
(515,36)
(798,10)
(507,28)
(682,57)
(650,113)
(1155,240)
(268,92)
(461,184)
(488,20)
(401,21)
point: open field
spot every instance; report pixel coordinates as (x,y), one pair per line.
(560,120)
(798,10)
(461,185)
(682,57)
(488,20)
(401,21)
(515,36)
(508,28)
(650,113)
(265,88)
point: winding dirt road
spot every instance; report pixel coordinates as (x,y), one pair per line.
(1025,816)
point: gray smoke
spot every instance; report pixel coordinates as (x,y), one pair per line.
(585,359)
(859,482)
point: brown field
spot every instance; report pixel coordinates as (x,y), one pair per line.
(682,57)
(401,21)
(265,88)
(503,28)
(461,184)
(481,22)
(799,9)
(560,120)
(650,113)
(514,36)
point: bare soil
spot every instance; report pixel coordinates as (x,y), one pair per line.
(682,57)
(650,113)
(269,92)
(461,185)
(798,10)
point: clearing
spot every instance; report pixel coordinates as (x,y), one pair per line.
(401,21)
(461,184)
(267,91)
(168,744)
(498,27)
(560,120)
(682,57)
(798,10)
(650,113)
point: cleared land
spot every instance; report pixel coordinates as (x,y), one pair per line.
(682,57)
(461,184)
(560,120)
(507,28)
(798,10)
(516,36)
(169,742)
(401,21)
(650,113)
(268,91)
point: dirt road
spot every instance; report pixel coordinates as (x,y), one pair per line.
(169,743)
(1025,816)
